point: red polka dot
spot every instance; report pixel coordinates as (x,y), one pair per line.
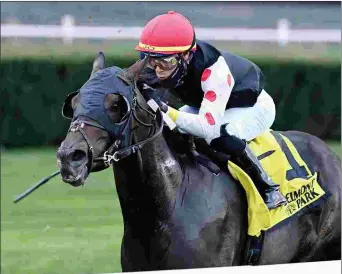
(210,119)
(229,80)
(210,95)
(205,75)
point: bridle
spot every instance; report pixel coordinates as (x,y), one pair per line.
(114,152)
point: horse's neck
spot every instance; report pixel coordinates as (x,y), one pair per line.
(147,182)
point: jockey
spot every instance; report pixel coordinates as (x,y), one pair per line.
(226,102)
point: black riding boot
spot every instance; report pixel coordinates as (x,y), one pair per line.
(268,189)
(245,158)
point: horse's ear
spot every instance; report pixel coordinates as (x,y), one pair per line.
(67,109)
(99,63)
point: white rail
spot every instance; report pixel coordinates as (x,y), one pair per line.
(68,31)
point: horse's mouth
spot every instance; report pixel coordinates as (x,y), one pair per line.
(78,180)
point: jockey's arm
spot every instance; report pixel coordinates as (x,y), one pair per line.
(217,83)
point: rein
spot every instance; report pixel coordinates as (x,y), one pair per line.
(113,153)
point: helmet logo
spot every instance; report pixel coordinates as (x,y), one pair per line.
(147,47)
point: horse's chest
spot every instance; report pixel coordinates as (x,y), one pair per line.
(189,245)
(189,239)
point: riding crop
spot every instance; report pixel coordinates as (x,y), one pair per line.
(34,187)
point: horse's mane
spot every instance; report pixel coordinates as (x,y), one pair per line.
(177,142)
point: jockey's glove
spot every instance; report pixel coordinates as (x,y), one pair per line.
(151,93)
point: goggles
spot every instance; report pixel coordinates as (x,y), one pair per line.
(164,63)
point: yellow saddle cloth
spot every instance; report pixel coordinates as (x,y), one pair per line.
(286,167)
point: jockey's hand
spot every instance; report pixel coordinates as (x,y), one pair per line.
(151,93)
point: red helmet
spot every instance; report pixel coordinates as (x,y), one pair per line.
(167,34)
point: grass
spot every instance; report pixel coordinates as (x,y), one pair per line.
(58,228)
(310,52)
(336,147)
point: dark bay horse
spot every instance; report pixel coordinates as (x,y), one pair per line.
(176,213)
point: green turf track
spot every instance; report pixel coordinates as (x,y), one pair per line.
(59,229)
(308,52)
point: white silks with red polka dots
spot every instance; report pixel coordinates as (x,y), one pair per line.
(217,83)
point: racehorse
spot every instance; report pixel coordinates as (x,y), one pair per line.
(177,214)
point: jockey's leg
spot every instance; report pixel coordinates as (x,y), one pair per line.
(245,124)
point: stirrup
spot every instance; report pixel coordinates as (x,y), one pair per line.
(278,200)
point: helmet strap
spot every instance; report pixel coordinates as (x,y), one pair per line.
(191,46)
(184,62)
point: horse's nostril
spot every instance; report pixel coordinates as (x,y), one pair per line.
(78,155)
(65,173)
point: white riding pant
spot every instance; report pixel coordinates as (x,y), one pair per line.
(246,122)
